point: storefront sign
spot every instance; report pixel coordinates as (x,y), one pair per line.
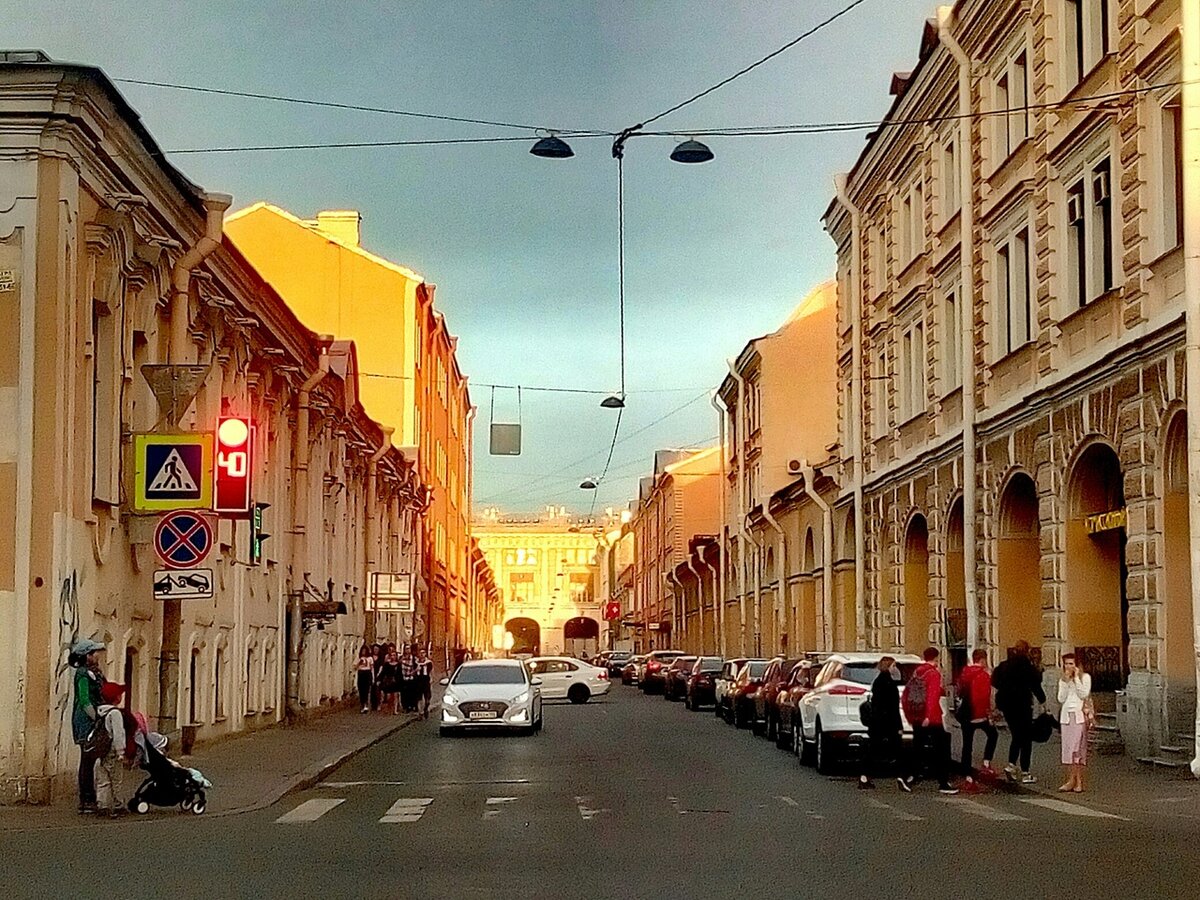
(1109,521)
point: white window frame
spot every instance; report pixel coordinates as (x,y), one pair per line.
(1083,53)
(1083,269)
(1169,227)
(879,391)
(1011,97)
(1012,288)
(876,260)
(949,162)
(912,365)
(951,310)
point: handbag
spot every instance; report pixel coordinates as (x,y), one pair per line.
(1043,727)
(1089,714)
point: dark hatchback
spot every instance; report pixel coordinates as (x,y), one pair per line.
(701,682)
(740,699)
(675,681)
(787,703)
(766,714)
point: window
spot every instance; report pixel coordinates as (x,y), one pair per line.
(876,264)
(950,179)
(878,390)
(1012,106)
(1172,174)
(911,223)
(912,370)
(952,322)
(1091,252)
(106,416)
(218,685)
(1014,316)
(1086,39)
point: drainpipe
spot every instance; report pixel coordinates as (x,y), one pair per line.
(967,338)
(826,552)
(781,590)
(300,453)
(1191,274)
(856,400)
(719,582)
(678,607)
(739,451)
(177,352)
(374,524)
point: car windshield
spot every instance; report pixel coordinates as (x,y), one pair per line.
(619,656)
(864,673)
(711,664)
(757,668)
(489,675)
(683,662)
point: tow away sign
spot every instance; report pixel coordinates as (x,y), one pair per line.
(172,471)
(183,584)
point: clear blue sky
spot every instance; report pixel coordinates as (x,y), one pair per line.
(523,250)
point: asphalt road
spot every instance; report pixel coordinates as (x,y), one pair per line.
(630,797)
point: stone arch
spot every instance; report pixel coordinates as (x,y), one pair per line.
(1176,625)
(916,584)
(527,635)
(845,588)
(1018,563)
(1097,604)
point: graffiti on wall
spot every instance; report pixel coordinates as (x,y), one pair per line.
(68,633)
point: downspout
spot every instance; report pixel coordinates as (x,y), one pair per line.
(739,452)
(374,526)
(719,583)
(300,453)
(1191,278)
(967,338)
(826,553)
(700,599)
(178,353)
(678,608)
(781,591)
(856,399)
(469,519)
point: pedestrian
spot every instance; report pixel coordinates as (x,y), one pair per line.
(923,708)
(389,680)
(408,679)
(115,758)
(423,685)
(378,651)
(85,657)
(884,726)
(1018,683)
(974,712)
(1075,695)
(365,674)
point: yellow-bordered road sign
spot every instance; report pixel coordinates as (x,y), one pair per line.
(172,471)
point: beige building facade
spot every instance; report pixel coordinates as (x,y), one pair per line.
(1011,353)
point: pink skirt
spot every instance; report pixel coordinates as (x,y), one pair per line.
(1074,744)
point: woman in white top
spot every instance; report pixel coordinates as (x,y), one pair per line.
(1074,691)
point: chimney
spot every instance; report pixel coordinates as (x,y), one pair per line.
(340,224)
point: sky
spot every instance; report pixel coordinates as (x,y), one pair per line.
(524,250)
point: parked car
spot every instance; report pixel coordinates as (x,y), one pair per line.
(565,678)
(723,685)
(629,671)
(766,716)
(701,682)
(675,680)
(787,702)
(830,721)
(741,696)
(492,693)
(616,662)
(654,670)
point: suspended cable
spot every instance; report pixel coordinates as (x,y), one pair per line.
(591,392)
(607,462)
(344,145)
(621,263)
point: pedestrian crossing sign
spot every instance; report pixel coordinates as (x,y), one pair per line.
(172,471)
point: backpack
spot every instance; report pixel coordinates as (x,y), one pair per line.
(914,700)
(98,742)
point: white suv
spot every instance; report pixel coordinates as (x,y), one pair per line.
(830,721)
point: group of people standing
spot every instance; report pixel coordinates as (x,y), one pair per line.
(388,678)
(1017,686)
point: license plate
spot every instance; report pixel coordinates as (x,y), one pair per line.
(483,715)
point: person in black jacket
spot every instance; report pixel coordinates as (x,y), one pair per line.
(1018,682)
(883,723)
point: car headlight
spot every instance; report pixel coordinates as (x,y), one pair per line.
(522,697)
(449,699)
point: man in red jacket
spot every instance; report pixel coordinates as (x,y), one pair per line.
(975,691)
(931,741)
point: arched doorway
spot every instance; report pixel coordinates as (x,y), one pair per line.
(956,591)
(1095,567)
(1018,566)
(916,585)
(581,637)
(527,635)
(771,603)
(808,596)
(846,635)
(1178,660)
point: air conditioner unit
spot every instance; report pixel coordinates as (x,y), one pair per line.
(1074,209)
(1101,186)
(794,466)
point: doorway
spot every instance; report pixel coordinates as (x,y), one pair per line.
(916,585)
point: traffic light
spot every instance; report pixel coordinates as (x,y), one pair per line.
(232,473)
(257,535)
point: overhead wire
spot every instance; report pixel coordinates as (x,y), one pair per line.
(595,392)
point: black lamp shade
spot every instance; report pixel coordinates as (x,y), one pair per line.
(691,151)
(552,147)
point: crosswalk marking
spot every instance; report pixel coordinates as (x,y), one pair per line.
(494,805)
(406,809)
(788,801)
(896,813)
(310,810)
(586,811)
(982,810)
(1070,809)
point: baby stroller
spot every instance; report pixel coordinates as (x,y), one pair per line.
(168,783)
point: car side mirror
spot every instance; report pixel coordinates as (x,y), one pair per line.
(444,682)
(536,682)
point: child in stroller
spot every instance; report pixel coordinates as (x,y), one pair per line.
(167,783)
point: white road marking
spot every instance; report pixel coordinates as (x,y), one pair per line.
(896,813)
(1070,809)
(494,805)
(586,811)
(787,800)
(309,811)
(406,809)
(346,784)
(983,811)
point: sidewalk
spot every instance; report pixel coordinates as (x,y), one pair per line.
(248,771)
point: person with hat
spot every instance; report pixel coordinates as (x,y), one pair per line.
(85,657)
(116,757)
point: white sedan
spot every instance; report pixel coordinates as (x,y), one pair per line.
(572,679)
(492,693)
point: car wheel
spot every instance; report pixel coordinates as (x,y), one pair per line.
(445,732)
(756,727)
(807,750)
(772,733)
(797,740)
(687,702)
(825,754)
(578,693)
(740,719)
(783,739)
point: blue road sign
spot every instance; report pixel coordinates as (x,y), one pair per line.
(183,539)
